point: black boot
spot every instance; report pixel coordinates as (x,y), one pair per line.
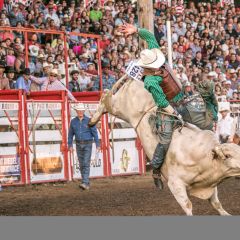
(156,163)
(156,174)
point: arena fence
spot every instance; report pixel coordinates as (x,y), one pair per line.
(33,140)
(12,147)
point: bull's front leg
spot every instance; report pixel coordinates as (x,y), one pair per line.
(179,191)
(217,204)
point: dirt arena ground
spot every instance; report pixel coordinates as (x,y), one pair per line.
(125,196)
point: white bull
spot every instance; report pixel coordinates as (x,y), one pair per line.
(195,163)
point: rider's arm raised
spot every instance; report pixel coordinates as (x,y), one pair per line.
(148,37)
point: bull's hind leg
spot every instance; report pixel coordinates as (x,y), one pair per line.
(180,193)
(217,204)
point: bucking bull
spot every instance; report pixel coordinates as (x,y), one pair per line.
(195,163)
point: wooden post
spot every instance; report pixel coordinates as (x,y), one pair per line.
(145,16)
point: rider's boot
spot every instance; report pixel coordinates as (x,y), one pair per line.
(156,163)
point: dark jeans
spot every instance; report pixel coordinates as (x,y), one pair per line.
(165,131)
(84,152)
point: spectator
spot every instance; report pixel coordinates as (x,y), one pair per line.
(20,61)
(84,136)
(4,82)
(73,84)
(23,81)
(84,62)
(51,83)
(85,82)
(16,16)
(10,58)
(52,15)
(108,79)
(11,77)
(226,125)
(95,14)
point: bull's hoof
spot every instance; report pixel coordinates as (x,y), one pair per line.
(158,182)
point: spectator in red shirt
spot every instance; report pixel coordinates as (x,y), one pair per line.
(104,42)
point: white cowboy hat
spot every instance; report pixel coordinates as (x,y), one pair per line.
(54,71)
(187,84)
(212,74)
(128,53)
(41,55)
(33,50)
(85,55)
(79,107)
(45,65)
(228,82)
(232,70)
(65,16)
(107,8)
(153,58)
(224,106)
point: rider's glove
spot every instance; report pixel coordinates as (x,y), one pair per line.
(180,118)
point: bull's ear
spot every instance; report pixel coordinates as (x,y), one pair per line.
(218,151)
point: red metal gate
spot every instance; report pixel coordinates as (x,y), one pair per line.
(46,137)
(12,151)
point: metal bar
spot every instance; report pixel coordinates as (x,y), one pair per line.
(169,39)
(11,123)
(112,137)
(64,139)
(34,122)
(33,135)
(55,121)
(26,48)
(99,66)
(50,32)
(66,59)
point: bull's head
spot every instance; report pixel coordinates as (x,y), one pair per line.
(230,154)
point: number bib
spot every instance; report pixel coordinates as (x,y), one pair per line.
(134,71)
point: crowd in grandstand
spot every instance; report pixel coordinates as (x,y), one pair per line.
(205,43)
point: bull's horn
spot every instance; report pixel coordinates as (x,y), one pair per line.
(116,85)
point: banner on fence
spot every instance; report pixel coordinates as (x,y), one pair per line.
(10,169)
(44,106)
(46,166)
(8,106)
(126,159)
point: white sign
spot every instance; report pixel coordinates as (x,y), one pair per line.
(134,71)
(126,159)
(44,106)
(10,171)
(8,106)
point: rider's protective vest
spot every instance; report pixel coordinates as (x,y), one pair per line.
(170,85)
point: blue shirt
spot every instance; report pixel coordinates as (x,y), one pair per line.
(22,84)
(107,81)
(82,132)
